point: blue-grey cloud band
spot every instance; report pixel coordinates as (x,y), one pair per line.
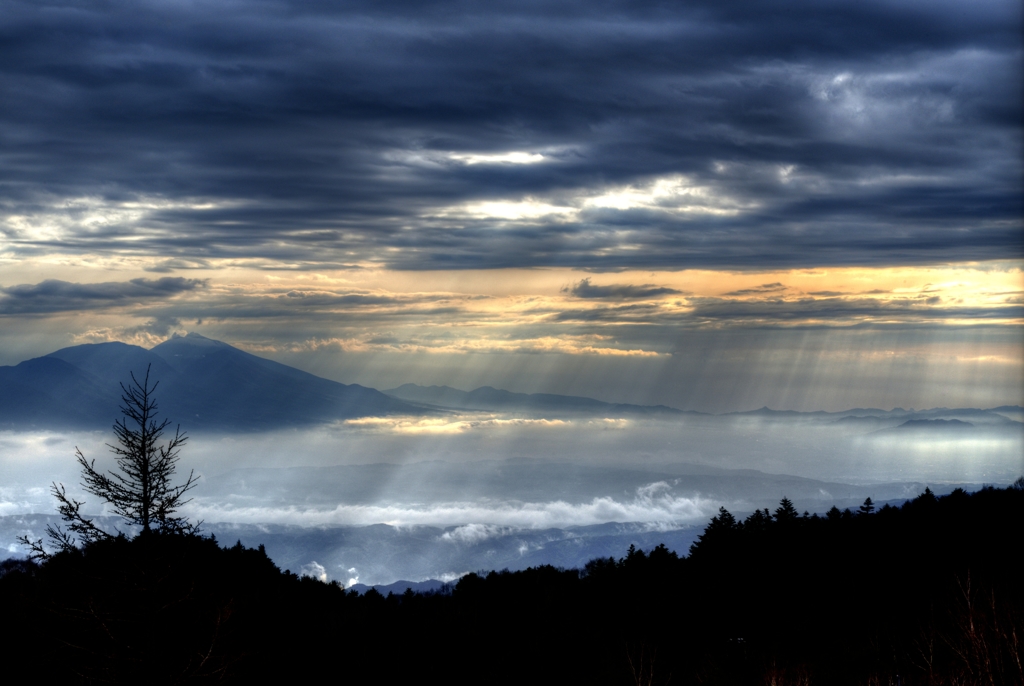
(313,134)
(53,295)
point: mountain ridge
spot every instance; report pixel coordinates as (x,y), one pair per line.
(489,398)
(210,385)
(202,383)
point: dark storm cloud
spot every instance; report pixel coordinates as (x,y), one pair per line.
(53,295)
(619,291)
(824,133)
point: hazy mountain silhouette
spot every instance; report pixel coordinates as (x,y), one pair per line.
(931,426)
(549,404)
(935,419)
(527,480)
(47,391)
(204,384)
(487,398)
(111,362)
(208,384)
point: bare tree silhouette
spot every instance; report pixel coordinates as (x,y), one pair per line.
(141,491)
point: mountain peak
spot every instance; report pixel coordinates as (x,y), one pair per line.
(204,383)
(190,346)
(192,338)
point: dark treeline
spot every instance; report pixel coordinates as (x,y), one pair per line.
(927,593)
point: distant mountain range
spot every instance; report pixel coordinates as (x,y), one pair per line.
(535,480)
(993,415)
(204,384)
(210,385)
(494,399)
(935,421)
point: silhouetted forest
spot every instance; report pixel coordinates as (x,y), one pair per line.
(926,593)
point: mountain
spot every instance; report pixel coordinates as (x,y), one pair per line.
(933,427)
(221,385)
(112,362)
(209,385)
(203,384)
(47,391)
(488,398)
(935,419)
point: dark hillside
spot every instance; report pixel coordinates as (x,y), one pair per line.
(928,593)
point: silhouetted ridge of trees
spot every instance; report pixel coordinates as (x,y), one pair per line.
(926,593)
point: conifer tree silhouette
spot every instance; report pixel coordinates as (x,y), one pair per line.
(141,491)
(786,512)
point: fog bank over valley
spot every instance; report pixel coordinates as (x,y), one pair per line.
(420,497)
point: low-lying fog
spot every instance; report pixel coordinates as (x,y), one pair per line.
(482,491)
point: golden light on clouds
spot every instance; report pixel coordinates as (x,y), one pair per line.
(459,424)
(86,216)
(674,194)
(514,157)
(481,304)
(934,322)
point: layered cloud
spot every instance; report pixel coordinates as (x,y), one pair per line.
(761,335)
(508,135)
(542,318)
(653,505)
(53,295)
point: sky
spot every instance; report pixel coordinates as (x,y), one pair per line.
(715,206)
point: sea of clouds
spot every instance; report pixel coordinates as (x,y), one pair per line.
(404,497)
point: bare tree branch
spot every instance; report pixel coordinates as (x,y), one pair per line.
(140,491)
